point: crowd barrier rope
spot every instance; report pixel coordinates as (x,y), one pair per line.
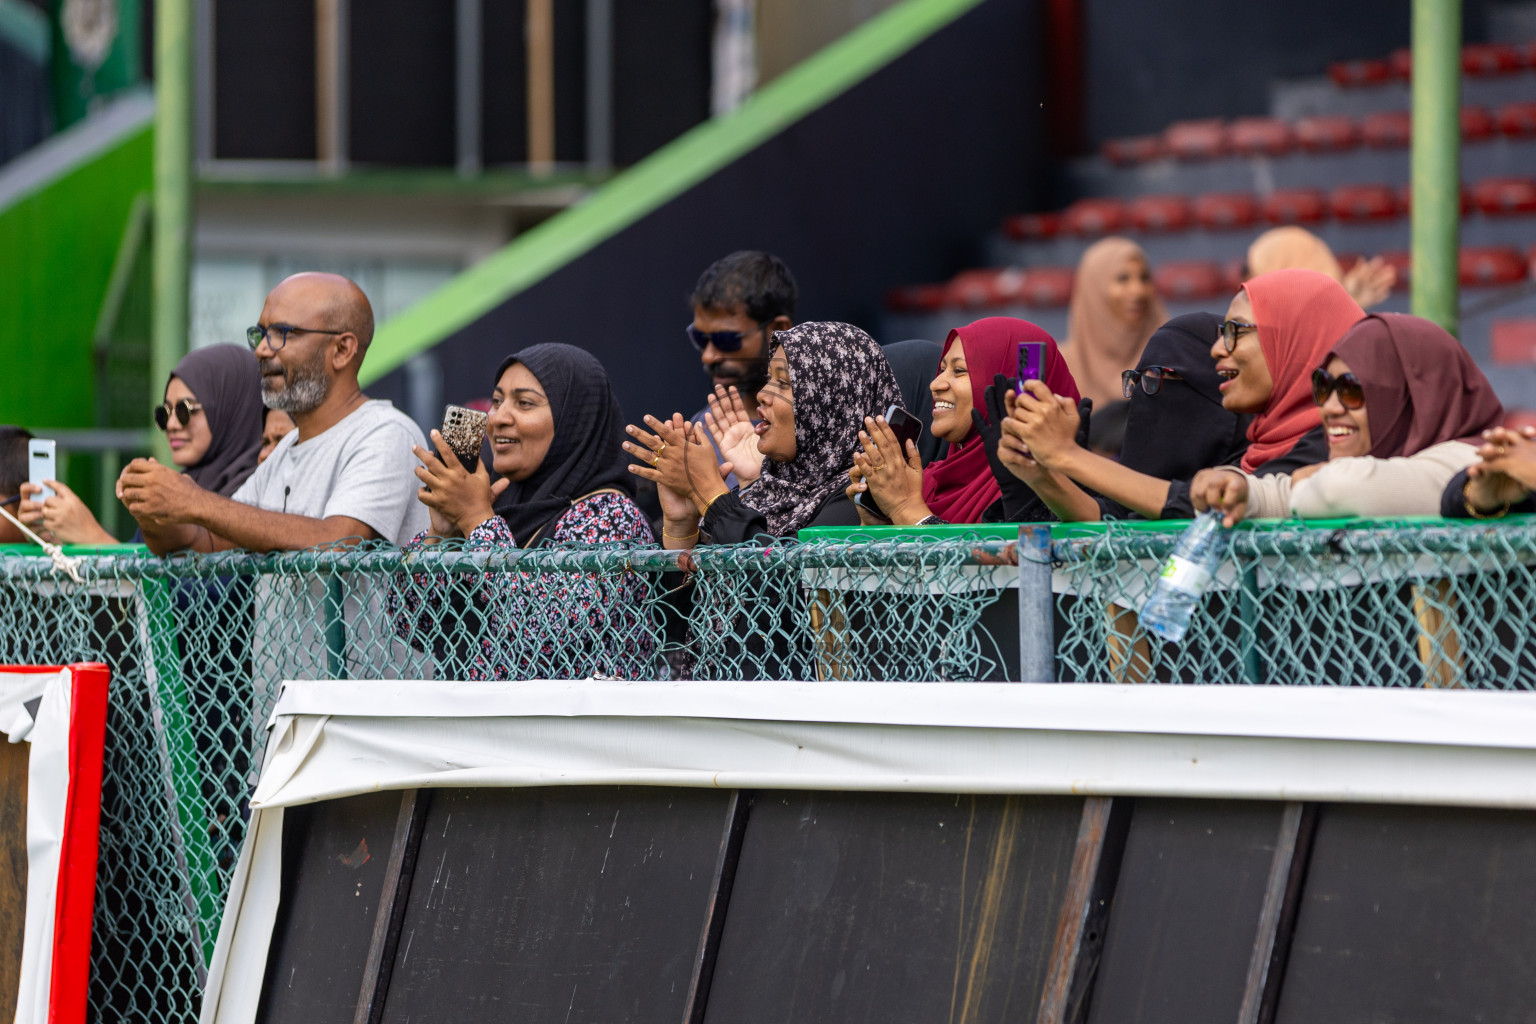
(198,647)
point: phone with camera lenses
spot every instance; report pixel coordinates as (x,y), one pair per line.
(906,427)
(1031,363)
(42,465)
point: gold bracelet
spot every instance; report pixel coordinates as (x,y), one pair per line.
(1472,511)
(711,503)
(673,536)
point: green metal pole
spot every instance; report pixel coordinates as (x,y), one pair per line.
(173,194)
(1436,160)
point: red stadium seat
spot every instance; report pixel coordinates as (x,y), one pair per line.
(1233,273)
(1047,287)
(1159,213)
(1498,197)
(1400,262)
(1517,120)
(1363,202)
(917,298)
(970,289)
(1389,129)
(1477,124)
(1519,419)
(1327,133)
(1190,280)
(1222,211)
(1093,217)
(1260,136)
(1295,206)
(1350,73)
(1025,227)
(1492,265)
(1512,342)
(1402,63)
(1483,59)
(1136,150)
(1196,140)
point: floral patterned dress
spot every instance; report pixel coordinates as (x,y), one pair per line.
(525,624)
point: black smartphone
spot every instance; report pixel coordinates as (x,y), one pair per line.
(1031,363)
(906,427)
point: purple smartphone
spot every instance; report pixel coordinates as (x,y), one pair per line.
(1031,363)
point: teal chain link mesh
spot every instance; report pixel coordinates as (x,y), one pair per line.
(199,646)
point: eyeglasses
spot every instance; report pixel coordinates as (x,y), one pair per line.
(1231,329)
(1351,393)
(725,341)
(182,411)
(1151,379)
(13,499)
(278,334)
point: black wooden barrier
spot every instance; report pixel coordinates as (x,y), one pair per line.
(595,904)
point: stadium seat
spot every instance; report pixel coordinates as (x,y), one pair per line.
(972,289)
(1159,213)
(1026,227)
(1136,150)
(1492,265)
(1295,206)
(1196,140)
(1260,136)
(1348,74)
(1189,280)
(1399,259)
(1512,342)
(1047,287)
(1499,197)
(1233,273)
(1477,124)
(1402,63)
(1389,129)
(1222,211)
(1517,120)
(1353,203)
(917,298)
(1484,59)
(1327,133)
(1088,217)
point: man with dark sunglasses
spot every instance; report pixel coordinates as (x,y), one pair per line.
(739,301)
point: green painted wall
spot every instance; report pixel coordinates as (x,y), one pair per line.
(57,248)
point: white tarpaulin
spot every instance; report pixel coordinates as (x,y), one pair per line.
(333,739)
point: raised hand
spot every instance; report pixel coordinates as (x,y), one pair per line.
(891,472)
(1221,489)
(733,432)
(457,500)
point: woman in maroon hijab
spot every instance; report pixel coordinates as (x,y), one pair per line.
(965,486)
(1404,407)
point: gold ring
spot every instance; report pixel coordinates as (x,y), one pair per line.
(661,449)
(657,460)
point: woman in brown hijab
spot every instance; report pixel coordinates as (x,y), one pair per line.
(1113,313)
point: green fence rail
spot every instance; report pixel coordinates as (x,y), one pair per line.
(199,647)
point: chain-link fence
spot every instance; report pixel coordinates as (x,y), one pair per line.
(198,647)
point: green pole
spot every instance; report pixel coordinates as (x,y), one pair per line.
(1436,160)
(173,194)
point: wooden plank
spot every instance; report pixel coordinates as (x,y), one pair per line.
(1414,915)
(579,903)
(892,907)
(398,873)
(13,870)
(719,903)
(1277,920)
(1081,925)
(541,86)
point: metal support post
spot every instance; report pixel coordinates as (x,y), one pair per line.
(1037,616)
(173,194)
(1436,219)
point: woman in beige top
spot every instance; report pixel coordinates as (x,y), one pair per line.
(1404,407)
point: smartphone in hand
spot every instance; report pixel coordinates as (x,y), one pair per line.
(42,464)
(906,427)
(1031,363)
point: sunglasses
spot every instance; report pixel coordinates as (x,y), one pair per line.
(1151,379)
(182,412)
(1351,393)
(1231,330)
(724,341)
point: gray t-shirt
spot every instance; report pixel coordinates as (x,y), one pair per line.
(361,467)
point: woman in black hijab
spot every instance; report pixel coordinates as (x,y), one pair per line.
(554,431)
(1175,427)
(212,417)
(913,363)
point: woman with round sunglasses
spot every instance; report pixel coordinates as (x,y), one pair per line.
(1404,408)
(212,417)
(1176,427)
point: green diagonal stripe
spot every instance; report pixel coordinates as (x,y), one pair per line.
(660,177)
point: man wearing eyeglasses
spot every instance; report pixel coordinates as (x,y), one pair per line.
(344,474)
(739,301)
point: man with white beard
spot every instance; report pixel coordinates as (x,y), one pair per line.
(344,474)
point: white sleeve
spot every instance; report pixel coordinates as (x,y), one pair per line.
(1269,497)
(1363,486)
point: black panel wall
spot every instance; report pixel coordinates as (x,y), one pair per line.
(402,80)
(264,80)
(897,180)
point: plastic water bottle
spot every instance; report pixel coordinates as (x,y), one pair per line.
(1185,577)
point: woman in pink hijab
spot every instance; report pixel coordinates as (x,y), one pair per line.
(1114,312)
